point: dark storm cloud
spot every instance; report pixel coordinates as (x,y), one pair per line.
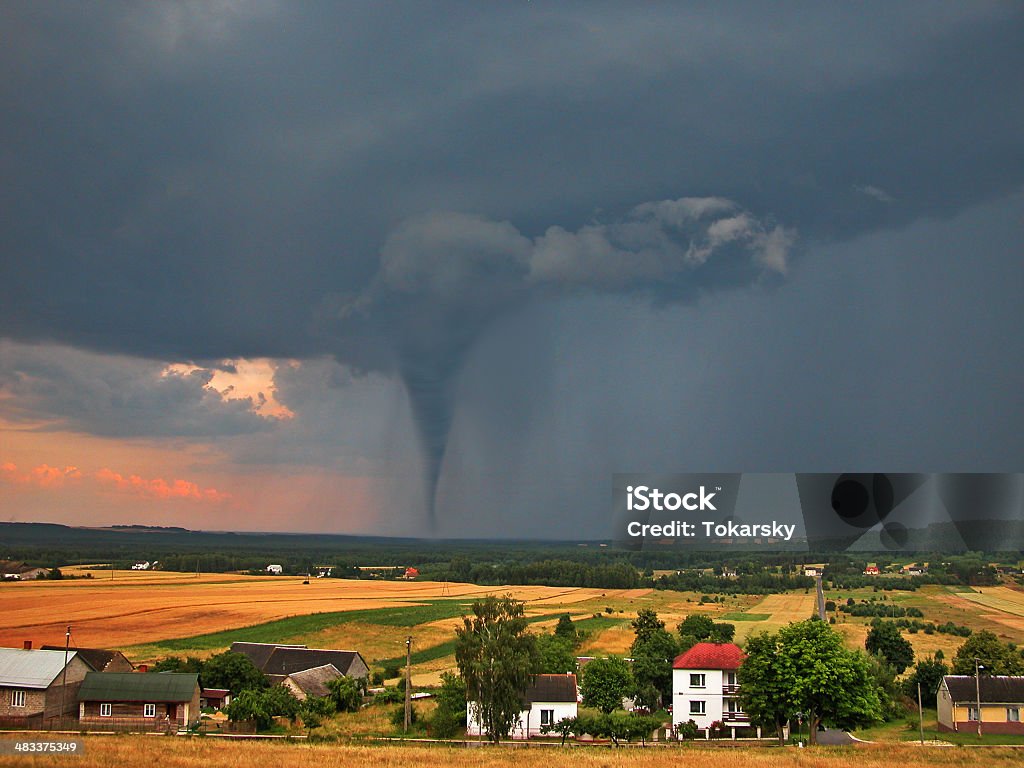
(188,180)
(384,182)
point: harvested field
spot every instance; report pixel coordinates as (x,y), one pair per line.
(780,610)
(169,752)
(143,608)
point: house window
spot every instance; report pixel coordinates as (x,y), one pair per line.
(105,710)
(972,713)
(1013,714)
(697,707)
(17,698)
(698,680)
(730,678)
(149,710)
(547,717)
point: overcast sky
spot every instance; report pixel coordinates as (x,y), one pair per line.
(444,268)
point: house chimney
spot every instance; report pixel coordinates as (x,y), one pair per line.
(142,668)
(27,645)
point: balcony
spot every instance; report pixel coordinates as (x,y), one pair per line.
(740,718)
(729,690)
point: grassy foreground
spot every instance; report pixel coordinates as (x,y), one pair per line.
(216,753)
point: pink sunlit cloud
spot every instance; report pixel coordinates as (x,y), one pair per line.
(43,475)
(159,488)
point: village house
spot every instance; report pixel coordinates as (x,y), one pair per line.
(279,661)
(274,569)
(214,698)
(34,689)
(548,699)
(313,682)
(705,688)
(164,701)
(15,570)
(871,570)
(1002,702)
(99,659)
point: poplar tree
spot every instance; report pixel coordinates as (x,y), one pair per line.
(496,656)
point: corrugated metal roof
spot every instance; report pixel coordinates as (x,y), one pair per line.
(138,686)
(30,669)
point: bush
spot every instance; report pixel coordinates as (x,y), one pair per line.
(398,716)
(687,731)
(389,696)
(345,694)
(446,723)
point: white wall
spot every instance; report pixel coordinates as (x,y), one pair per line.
(528,724)
(683,693)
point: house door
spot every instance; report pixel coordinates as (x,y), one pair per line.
(172,712)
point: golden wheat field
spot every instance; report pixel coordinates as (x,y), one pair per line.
(129,608)
(167,752)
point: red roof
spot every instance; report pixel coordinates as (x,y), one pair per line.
(710,656)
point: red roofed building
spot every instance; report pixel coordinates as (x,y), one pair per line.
(705,688)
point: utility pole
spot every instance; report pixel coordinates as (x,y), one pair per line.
(64,681)
(408,686)
(977,689)
(920,712)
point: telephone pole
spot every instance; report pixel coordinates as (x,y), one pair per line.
(408,686)
(64,681)
(920,713)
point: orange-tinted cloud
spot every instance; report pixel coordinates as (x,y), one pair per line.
(43,476)
(158,488)
(251,380)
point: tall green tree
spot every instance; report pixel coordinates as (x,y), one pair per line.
(805,668)
(929,673)
(764,679)
(555,655)
(885,639)
(496,657)
(566,629)
(997,658)
(605,683)
(646,623)
(234,671)
(653,652)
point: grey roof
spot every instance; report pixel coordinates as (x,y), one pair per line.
(552,688)
(97,658)
(995,689)
(285,660)
(313,682)
(30,669)
(139,686)
(259,653)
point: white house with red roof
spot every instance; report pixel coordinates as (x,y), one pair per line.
(705,688)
